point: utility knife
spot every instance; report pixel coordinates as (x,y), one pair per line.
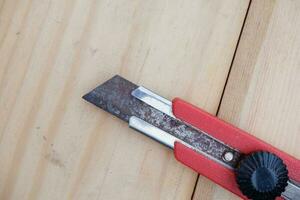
(232,158)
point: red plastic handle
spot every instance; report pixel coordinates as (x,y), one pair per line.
(230,135)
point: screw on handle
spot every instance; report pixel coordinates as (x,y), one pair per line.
(262,176)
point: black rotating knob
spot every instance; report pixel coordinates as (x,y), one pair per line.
(262,176)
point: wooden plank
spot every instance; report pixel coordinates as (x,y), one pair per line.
(263,91)
(53,145)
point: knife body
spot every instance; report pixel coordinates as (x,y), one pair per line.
(201,141)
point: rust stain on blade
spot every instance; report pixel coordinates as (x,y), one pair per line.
(114,96)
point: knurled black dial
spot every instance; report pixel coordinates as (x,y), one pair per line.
(262,176)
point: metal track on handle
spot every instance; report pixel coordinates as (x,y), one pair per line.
(292,191)
(153,100)
(152,132)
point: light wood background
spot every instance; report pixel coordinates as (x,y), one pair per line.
(237,59)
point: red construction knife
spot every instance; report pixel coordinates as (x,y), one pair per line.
(232,158)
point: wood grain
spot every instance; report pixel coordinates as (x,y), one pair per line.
(53,145)
(262,95)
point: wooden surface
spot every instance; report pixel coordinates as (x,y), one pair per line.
(53,145)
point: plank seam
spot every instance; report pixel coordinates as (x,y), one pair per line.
(233,58)
(227,78)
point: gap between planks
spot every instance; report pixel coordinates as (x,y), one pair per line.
(226,81)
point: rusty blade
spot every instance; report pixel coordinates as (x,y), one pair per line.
(114,96)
